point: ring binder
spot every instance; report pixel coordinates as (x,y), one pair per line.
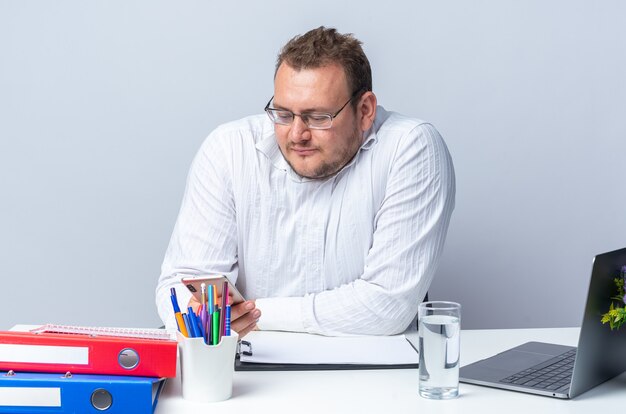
(28,392)
(85,354)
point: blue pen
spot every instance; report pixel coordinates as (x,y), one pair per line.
(174,299)
(227,321)
(223,308)
(187,325)
(193,322)
(199,329)
(180,322)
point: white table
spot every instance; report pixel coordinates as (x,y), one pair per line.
(395,391)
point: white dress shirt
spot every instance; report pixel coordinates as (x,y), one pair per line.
(354,253)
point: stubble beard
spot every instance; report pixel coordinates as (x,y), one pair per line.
(327,169)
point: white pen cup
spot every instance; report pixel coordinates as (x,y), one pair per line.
(439,349)
(207,370)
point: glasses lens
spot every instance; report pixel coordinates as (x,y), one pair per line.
(280,117)
(318,121)
(312,120)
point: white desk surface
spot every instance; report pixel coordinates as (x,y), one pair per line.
(395,390)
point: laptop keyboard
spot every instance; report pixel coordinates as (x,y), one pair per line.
(552,375)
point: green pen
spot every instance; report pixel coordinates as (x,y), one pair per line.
(216,327)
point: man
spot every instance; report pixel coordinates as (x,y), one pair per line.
(328,212)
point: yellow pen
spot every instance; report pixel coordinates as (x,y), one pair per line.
(203,290)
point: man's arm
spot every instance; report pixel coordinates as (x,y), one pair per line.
(204,237)
(410,231)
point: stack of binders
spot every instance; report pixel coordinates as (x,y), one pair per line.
(52,372)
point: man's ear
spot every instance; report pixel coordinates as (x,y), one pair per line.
(366,110)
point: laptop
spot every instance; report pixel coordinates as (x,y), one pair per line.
(564,371)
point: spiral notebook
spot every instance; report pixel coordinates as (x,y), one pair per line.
(106,331)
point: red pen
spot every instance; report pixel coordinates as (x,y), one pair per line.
(223,308)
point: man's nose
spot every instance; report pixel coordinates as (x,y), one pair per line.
(299,130)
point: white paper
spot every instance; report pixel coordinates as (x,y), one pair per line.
(303,348)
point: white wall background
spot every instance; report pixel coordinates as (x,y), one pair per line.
(103,105)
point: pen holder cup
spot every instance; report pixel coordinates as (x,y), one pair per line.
(207,370)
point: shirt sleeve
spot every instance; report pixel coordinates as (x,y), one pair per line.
(204,238)
(410,230)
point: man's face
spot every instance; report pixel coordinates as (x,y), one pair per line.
(316,153)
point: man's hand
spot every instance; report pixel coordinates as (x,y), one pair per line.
(243,316)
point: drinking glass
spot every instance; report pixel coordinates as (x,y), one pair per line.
(439,346)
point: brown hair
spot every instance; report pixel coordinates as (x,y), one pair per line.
(323,46)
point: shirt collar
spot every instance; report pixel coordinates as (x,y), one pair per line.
(267,145)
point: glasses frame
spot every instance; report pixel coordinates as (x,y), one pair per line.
(305,115)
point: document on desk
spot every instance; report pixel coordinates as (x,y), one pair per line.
(269,350)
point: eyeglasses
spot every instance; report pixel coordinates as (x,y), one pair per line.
(313,120)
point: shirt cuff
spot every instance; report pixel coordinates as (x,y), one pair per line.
(280,314)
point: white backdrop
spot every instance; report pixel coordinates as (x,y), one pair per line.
(103,105)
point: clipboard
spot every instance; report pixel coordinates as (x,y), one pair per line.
(290,351)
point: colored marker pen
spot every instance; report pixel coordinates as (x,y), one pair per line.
(180,322)
(216,327)
(193,323)
(211,300)
(227,321)
(187,325)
